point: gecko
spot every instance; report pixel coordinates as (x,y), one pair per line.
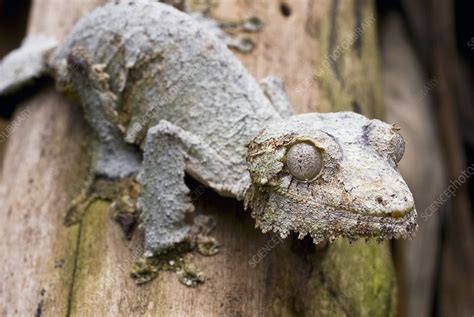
(165,98)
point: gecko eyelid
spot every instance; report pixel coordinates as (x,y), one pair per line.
(304,161)
(399,147)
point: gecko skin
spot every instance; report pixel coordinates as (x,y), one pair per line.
(166,97)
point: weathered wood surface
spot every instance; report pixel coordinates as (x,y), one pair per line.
(325,51)
(408,103)
(42,166)
(45,164)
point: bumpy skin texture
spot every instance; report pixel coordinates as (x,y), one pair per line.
(162,66)
(152,78)
(15,73)
(358,192)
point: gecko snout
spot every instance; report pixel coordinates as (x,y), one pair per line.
(377,188)
(395,205)
(383,196)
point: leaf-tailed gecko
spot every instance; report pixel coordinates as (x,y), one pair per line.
(166,97)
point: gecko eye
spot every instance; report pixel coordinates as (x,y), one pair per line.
(304,161)
(386,139)
(398,147)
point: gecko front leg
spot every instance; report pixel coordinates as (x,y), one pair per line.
(169,152)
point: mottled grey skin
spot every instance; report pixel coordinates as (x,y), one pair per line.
(153,80)
(25,63)
(357,193)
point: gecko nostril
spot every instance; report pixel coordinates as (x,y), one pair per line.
(379,200)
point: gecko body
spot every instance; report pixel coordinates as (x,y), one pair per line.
(166,98)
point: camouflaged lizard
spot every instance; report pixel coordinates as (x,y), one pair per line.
(166,97)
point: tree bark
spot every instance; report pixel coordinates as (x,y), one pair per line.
(43,164)
(84,269)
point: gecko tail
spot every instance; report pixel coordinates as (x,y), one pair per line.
(26,63)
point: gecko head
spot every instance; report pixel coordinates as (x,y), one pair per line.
(330,175)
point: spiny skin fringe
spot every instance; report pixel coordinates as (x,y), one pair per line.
(352,239)
(357,193)
(400,228)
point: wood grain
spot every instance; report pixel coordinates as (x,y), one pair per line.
(42,169)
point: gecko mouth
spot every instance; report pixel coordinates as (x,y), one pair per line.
(395,213)
(353,225)
(276,212)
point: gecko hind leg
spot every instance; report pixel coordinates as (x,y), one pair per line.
(116,163)
(169,152)
(228,31)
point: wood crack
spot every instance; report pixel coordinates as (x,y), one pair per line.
(70,296)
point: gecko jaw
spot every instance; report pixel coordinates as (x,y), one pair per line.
(358,192)
(278,213)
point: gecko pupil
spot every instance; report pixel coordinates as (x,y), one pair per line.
(304,161)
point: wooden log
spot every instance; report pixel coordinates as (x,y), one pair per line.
(43,166)
(286,277)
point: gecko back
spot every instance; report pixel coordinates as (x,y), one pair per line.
(162,65)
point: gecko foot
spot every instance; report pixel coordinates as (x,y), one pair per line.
(122,194)
(179,259)
(81,202)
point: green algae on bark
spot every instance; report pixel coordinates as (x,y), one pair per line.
(355,279)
